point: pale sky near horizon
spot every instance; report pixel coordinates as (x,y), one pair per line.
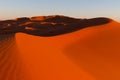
(10,9)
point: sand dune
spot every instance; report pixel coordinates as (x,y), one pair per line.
(88,52)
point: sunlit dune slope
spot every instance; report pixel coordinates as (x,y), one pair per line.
(97,51)
(88,54)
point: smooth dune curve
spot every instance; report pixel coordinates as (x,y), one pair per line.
(98,51)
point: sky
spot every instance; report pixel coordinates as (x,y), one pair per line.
(10,9)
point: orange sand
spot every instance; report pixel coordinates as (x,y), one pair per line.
(88,54)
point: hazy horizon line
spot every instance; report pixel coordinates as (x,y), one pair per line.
(10,18)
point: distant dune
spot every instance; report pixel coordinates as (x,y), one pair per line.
(48,25)
(59,48)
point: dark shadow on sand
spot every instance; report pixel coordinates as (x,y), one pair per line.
(49,25)
(11,67)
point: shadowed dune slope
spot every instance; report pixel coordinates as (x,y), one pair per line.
(48,25)
(11,67)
